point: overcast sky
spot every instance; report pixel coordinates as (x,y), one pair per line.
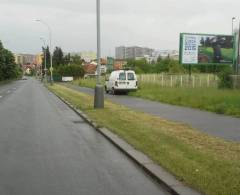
(151,23)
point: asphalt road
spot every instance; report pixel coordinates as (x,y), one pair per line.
(217,125)
(46,149)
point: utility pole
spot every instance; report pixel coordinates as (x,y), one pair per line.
(238,50)
(99,89)
(233,18)
(50,48)
(45,58)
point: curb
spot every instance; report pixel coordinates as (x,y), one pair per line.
(163,177)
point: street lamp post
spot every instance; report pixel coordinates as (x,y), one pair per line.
(233,18)
(50,47)
(238,50)
(45,58)
(99,90)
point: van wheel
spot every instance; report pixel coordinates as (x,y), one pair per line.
(113,91)
(106,89)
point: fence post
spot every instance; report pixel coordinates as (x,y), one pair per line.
(162,79)
(181,80)
(208,80)
(193,81)
(171,81)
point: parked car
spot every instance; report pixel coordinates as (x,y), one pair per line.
(121,81)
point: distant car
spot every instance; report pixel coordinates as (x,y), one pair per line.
(24,78)
(121,81)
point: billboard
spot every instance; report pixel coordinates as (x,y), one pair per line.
(206,49)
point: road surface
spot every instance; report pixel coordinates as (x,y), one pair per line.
(46,149)
(217,125)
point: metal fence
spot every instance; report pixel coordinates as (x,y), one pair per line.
(167,80)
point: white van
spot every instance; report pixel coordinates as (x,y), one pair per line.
(121,81)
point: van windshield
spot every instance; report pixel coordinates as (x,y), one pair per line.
(131,76)
(122,76)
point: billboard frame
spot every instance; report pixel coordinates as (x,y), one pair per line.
(206,34)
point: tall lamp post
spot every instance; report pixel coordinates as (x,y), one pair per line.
(50,47)
(238,50)
(233,19)
(234,60)
(99,89)
(45,58)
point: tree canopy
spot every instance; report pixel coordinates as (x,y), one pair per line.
(8,67)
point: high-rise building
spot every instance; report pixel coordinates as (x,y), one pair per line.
(120,52)
(134,52)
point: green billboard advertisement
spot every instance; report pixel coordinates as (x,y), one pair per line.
(206,49)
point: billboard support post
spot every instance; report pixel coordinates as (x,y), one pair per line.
(238,45)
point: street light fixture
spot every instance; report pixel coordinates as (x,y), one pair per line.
(50,46)
(99,90)
(45,58)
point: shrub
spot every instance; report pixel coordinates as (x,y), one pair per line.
(225,79)
(75,71)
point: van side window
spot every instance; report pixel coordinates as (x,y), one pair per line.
(131,77)
(122,76)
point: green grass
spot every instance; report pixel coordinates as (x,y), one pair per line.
(220,101)
(90,83)
(6,82)
(208,164)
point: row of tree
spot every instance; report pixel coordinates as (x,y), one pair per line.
(171,66)
(62,62)
(63,65)
(8,68)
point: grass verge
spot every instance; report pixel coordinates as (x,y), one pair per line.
(208,164)
(221,101)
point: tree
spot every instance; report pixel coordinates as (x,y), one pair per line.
(67,59)
(159,59)
(8,67)
(58,57)
(76,59)
(47,56)
(75,71)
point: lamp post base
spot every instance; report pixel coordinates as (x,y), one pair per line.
(99,97)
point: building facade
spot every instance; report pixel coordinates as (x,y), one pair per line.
(133,52)
(88,56)
(25,59)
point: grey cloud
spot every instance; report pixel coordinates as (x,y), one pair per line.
(152,23)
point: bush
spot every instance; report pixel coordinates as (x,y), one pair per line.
(225,79)
(75,71)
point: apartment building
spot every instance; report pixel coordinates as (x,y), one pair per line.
(25,59)
(133,52)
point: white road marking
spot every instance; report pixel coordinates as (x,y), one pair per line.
(9,91)
(0,96)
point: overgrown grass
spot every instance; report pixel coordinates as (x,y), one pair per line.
(209,164)
(6,81)
(222,101)
(90,83)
